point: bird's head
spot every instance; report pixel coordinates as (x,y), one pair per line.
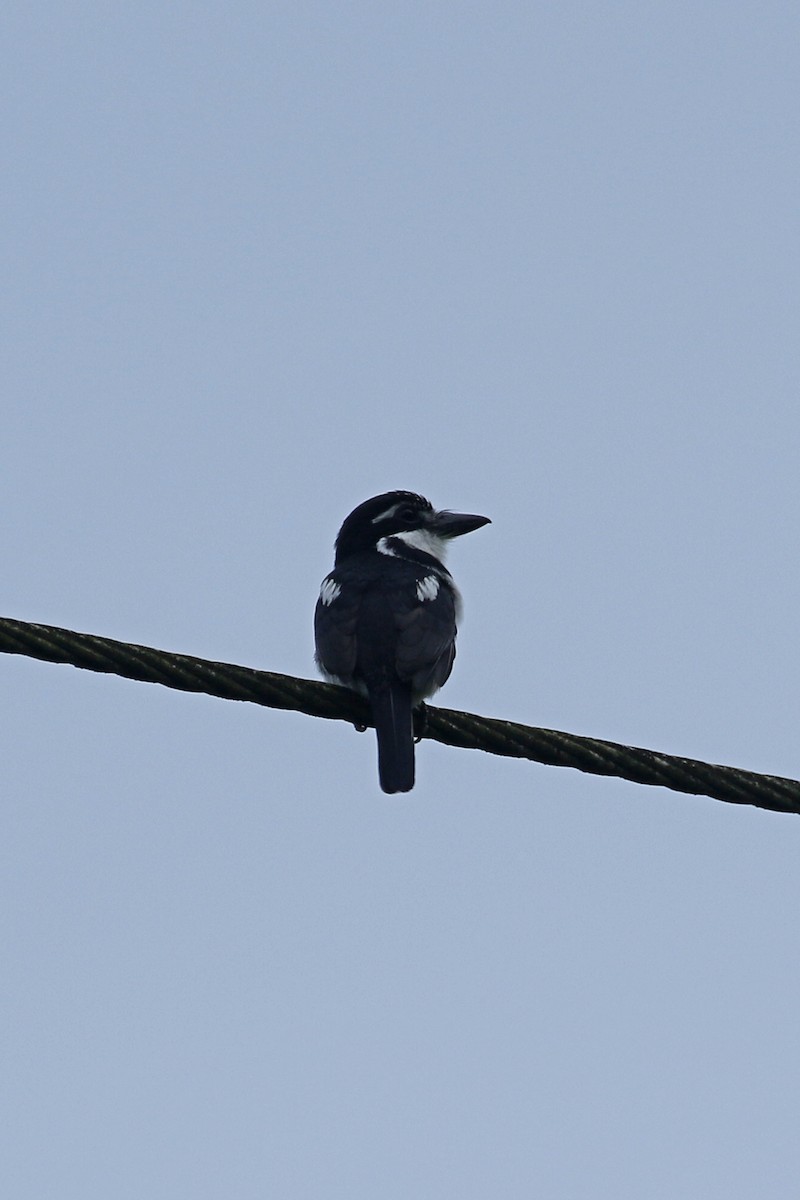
(405,518)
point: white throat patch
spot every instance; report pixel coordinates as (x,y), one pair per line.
(425,540)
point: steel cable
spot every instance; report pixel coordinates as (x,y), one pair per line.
(466,730)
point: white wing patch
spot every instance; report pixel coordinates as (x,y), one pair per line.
(428,588)
(329,591)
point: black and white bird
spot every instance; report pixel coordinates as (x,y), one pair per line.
(385,623)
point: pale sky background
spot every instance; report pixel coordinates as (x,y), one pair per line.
(535,260)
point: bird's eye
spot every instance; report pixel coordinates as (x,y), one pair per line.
(407,513)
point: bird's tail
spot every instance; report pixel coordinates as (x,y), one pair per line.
(392,713)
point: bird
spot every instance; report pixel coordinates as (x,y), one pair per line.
(386,617)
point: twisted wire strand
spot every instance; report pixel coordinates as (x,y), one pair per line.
(449,726)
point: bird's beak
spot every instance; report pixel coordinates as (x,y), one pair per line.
(451,525)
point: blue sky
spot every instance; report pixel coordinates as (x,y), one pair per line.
(261,262)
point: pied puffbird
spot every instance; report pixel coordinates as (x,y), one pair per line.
(385,622)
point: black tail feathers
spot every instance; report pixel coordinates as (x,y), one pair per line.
(392,713)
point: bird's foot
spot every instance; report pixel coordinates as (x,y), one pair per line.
(420,721)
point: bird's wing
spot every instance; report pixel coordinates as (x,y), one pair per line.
(426,642)
(335,621)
